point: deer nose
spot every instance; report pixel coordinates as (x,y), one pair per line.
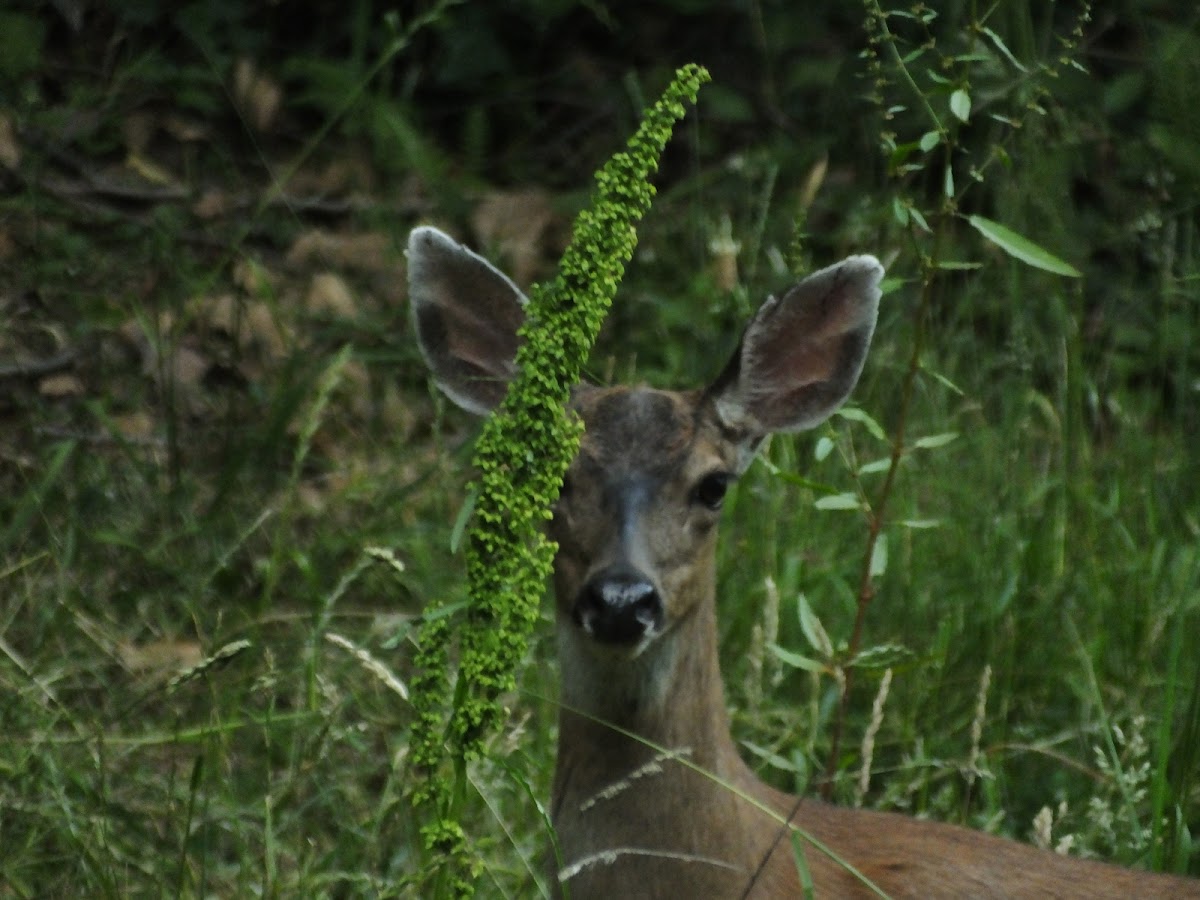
(618,606)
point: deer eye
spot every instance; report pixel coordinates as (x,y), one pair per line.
(710,490)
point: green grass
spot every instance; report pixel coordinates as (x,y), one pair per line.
(179,722)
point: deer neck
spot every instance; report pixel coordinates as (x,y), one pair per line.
(620,713)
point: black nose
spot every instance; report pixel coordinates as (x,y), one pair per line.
(618,606)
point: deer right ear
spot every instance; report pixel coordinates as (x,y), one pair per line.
(801,355)
(466,314)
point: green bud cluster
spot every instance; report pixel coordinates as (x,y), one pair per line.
(521,456)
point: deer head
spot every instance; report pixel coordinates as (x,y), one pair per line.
(636,519)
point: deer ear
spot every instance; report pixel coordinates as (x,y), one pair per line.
(800,355)
(466,314)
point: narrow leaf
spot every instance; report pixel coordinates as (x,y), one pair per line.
(797,660)
(464,516)
(876,465)
(1003,48)
(881,657)
(770,757)
(919,217)
(960,105)
(823,449)
(1021,247)
(808,888)
(814,631)
(839,501)
(944,381)
(879,556)
(854,414)
(935,440)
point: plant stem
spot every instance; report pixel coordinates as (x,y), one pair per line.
(875,513)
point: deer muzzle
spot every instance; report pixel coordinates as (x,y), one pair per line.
(619,605)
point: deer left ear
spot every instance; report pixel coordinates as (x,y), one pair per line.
(800,355)
(466,314)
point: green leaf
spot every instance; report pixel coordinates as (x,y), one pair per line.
(920,523)
(943,380)
(839,501)
(876,465)
(770,757)
(935,440)
(814,631)
(808,887)
(882,656)
(957,265)
(1003,48)
(854,414)
(960,105)
(1021,247)
(464,516)
(879,556)
(823,449)
(797,660)
(919,218)
(929,140)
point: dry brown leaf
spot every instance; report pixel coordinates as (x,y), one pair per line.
(366,251)
(137,129)
(161,658)
(356,381)
(188,368)
(252,277)
(312,497)
(184,374)
(251,324)
(352,171)
(212,204)
(184,129)
(258,96)
(328,294)
(396,413)
(150,171)
(265,331)
(145,342)
(177,368)
(813,182)
(222,313)
(134,426)
(10,148)
(515,224)
(56,387)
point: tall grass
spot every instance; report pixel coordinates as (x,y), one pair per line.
(203,651)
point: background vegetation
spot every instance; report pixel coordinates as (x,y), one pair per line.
(227,492)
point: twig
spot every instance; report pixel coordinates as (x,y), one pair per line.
(36,368)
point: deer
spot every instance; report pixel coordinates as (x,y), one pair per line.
(650,797)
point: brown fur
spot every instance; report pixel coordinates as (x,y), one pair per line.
(651,799)
(681,812)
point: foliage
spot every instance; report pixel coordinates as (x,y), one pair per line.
(188,463)
(522,456)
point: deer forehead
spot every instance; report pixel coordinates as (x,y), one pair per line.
(650,435)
